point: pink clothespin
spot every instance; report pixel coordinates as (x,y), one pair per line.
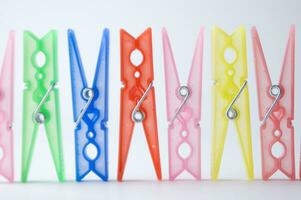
(276,110)
(6,111)
(184,111)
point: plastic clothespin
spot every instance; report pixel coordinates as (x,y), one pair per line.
(276,110)
(90,110)
(230,96)
(41,99)
(184,111)
(137,98)
(6,111)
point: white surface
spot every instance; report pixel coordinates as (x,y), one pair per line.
(182,20)
(133,190)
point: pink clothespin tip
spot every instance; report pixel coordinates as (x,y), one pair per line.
(183,111)
(6,111)
(276,110)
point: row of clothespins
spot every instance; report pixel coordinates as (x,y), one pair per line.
(90,104)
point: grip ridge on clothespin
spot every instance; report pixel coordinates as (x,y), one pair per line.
(41,99)
(230,96)
(6,111)
(183,111)
(90,110)
(276,110)
(137,102)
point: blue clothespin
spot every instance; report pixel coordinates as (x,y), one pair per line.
(90,110)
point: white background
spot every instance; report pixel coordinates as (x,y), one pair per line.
(183,20)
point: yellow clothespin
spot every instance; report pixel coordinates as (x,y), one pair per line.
(230,96)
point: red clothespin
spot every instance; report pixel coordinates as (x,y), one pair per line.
(137,98)
(276,110)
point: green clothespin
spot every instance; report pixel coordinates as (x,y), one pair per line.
(41,99)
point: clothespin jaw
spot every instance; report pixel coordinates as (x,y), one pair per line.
(6,110)
(41,99)
(276,109)
(183,111)
(137,98)
(230,96)
(90,110)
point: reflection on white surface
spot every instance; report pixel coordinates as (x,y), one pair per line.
(182,190)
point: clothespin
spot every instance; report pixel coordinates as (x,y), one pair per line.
(41,99)
(276,110)
(184,111)
(137,98)
(6,111)
(90,110)
(230,96)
